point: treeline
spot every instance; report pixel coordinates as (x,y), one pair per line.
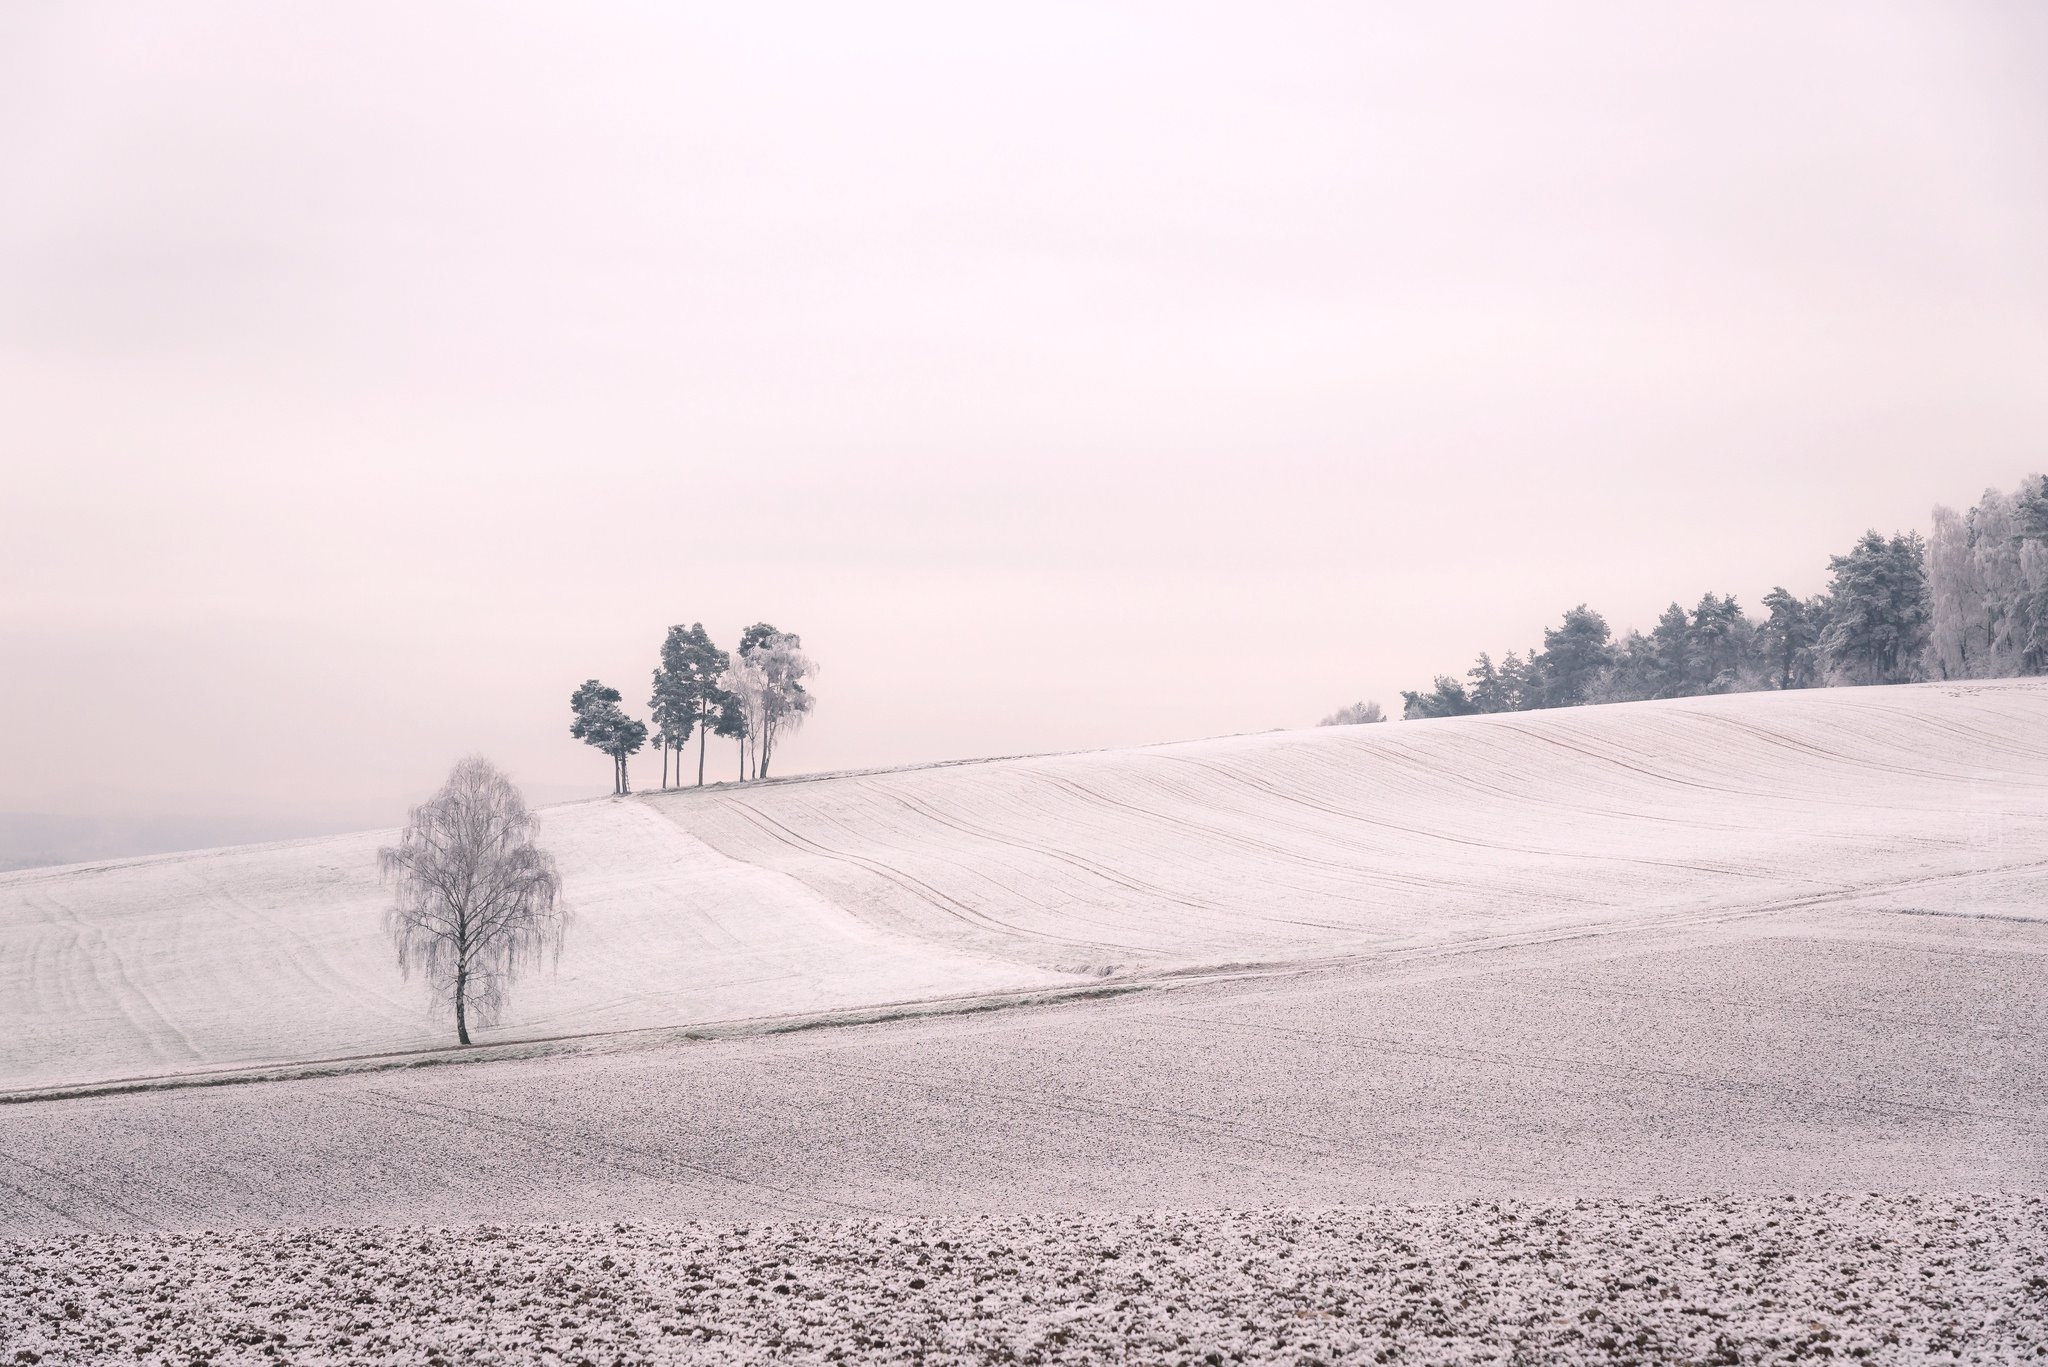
(753,697)
(1971,603)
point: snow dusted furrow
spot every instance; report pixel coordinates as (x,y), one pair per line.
(1823,1050)
(1363,838)
(277,953)
(841,892)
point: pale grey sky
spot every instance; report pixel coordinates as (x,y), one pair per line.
(1066,375)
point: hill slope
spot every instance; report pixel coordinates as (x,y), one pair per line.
(835,893)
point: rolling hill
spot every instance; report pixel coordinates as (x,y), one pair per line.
(808,898)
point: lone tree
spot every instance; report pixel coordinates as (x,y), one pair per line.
(477,899)
(603,725)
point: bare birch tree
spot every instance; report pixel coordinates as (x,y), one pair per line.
(767,680)
(745,683)
(477,899)
(786,698)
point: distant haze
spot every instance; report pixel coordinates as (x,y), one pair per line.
(370,375)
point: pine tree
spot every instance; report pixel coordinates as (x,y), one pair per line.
(1718,638)
(1787,637)
(688,698)
(599,722)
(1670,672)
(1489,691)
(1878,624)
(1575,655)
(1447,699)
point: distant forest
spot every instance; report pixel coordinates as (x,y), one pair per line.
(1971,602)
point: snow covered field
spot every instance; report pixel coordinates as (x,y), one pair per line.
(1407,1043)
(1822,1050)
(827,895)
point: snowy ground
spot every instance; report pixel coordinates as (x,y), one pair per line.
(1858,1278)
(840,893)
(1634,1034)
(1829,1050)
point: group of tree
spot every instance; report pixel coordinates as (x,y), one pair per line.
(1972,602)
(753,696)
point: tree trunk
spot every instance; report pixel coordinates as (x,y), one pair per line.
(625,780)
(700,752)
(461,1019)
(767,752)
(664,766)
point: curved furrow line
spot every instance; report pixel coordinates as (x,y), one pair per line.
(916,887)
(1472,842)
(1783,741)
(1046,851)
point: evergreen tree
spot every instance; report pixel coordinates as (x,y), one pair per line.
(1670,668)
(688,697)
(1635,674)
(1878,623)
(1787,637)
(760,634)
(1490,690)
(1717,642)
(1514,681)
(1447,699)
(599,722)
(1574,657)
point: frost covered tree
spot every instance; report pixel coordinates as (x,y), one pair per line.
(1987,580)
(477,900)
(745,683)
(1358,714)
(1635,673)
(599,722)
(1786,639)
(1877,624)
(2028,637)
(1960,617)
(1719,641)
(769,680)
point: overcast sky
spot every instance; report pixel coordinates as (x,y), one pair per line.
(370,374)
